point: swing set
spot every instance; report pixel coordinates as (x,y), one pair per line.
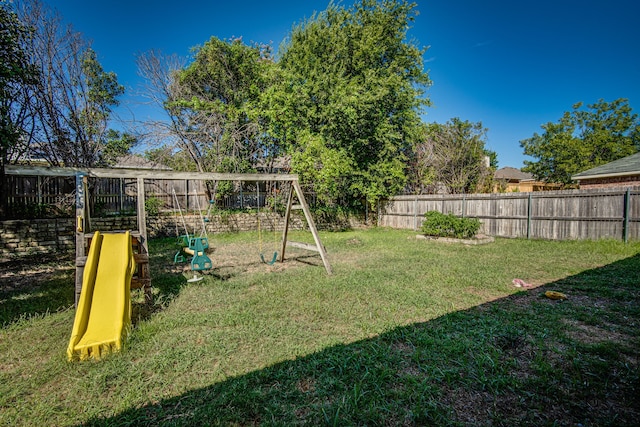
(196,246)
(140,175)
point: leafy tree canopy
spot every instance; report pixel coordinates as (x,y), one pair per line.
(583,139)
(116,144)
(214,102)
(346,101)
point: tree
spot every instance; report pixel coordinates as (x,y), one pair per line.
(345,103)
(211,119)
(73,97)
(216,99)
(116,144)
(15,75)
(214,123)
(452,157)
(583,139)
(168,135)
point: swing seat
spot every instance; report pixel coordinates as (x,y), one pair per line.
(198,243)
(199,261)
(273,261)
(179,257)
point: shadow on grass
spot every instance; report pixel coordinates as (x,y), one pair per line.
(44,283)
(521,360)
(35,285)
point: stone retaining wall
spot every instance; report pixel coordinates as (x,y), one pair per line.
(28,237)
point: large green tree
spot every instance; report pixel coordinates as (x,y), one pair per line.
(346,101)
(582,139)
(214,101)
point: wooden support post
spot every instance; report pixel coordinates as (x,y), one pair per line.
(625,215)
(312,225)
(285,229)
(142,219)
(415,213)
(81,256)
(529,207)
(142,260)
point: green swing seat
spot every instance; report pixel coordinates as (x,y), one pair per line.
(273,261)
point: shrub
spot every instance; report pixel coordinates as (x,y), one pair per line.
(448,225)
(152,205)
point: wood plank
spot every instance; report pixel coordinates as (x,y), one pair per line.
(301,245)
(312,226)
(144,173)
(285,228)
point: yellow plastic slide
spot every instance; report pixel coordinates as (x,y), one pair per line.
(103,315)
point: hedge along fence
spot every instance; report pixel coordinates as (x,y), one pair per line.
(41,236)
(555,215)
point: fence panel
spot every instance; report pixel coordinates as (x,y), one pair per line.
(554,215)
(119,195)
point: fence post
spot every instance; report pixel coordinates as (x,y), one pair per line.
(415,213)
(39,189)
(493,212)
(121,195)
(464,204)
(529,217)
(186,195)
(626,208)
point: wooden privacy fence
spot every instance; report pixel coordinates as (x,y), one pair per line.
(555,215)
(119,195)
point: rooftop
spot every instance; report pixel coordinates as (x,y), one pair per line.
(510,173)
(629,165)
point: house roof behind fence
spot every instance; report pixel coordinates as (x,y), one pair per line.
(131,161)
(629,165)
(512,174)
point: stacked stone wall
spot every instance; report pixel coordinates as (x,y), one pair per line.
(28,237)
(41,236)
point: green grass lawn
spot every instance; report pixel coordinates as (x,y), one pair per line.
(405,332)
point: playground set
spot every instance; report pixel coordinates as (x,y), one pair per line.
(109,265)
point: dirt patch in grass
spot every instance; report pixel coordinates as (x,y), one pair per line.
(473,407)
(29,273)
(592,334)
(232,259)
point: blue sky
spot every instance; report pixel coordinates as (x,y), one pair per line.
(512,65)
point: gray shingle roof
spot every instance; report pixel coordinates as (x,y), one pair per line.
(629,165)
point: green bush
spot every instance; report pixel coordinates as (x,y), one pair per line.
(448,225)
(152,205)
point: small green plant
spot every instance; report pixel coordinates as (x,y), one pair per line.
(152,205)
(32,211)
(448,225)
